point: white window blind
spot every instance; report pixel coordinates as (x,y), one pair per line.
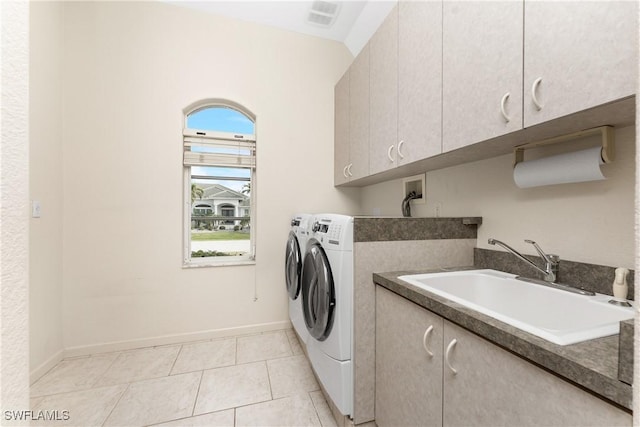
(207,148)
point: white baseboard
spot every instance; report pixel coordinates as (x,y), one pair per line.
(86,350)
(45,367)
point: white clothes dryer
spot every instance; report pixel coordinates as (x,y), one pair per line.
(296,247)
(327,302)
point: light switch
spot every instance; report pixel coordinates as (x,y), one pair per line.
(35,209)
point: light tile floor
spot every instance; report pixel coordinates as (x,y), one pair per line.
(250,380)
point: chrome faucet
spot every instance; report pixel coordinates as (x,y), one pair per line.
(551,261)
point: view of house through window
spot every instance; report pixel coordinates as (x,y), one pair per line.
(219,162)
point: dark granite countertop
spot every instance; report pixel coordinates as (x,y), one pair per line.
(386,229)
(591,365)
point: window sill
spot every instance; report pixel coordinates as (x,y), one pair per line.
(189,265)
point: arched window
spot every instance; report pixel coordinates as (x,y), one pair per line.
(220,163)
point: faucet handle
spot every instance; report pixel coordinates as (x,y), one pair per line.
(551,262)
(551,258)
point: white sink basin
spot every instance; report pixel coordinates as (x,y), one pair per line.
(555,315)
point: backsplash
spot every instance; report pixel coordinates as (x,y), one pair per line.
(376,229)
(592,277)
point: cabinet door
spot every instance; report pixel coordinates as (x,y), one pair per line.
(585,53)
(419,80)
(384,95)
(482,70)
(359,115)
(341,130)
(494,387)
(408,380)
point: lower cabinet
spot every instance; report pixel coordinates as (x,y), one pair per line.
(408,363)
(430,372)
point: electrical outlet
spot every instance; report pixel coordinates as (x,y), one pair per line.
(438,207)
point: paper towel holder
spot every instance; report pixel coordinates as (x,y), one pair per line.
(608,143)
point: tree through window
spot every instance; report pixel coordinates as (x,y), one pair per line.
(220,162)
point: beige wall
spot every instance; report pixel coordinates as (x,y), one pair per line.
(14,199)
(45,185)
(129,70)
(588,222)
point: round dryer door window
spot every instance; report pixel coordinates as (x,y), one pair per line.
(293,266)
(318,292)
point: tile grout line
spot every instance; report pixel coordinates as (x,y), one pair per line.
(197,394)
(173,365)
(44,396)
(46,373)
(246,405)
(117,403)
(289,341)
(108,368)
(199,369)
(191,416)
(286,336)
(314,406)
(269,379)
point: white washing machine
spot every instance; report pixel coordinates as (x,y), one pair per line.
(296,247)
(327,301)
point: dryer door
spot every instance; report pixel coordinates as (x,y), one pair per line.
(293,266)
(318,292)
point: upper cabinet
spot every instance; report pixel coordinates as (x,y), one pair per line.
(359,116)
(440,76)
(351,122)
(341,130)
(578,55)
(383,103)
(482,71)
(419,80)
(405,83)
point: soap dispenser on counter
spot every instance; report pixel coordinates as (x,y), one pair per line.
(620,288)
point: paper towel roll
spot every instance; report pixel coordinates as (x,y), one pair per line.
(577,166)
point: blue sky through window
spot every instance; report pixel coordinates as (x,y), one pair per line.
(220,119)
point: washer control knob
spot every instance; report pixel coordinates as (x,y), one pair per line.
(316,226)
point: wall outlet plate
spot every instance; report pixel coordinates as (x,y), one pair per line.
(415,183)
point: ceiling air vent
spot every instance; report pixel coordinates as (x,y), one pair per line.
(323,13)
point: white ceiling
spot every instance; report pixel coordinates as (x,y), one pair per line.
(356,22)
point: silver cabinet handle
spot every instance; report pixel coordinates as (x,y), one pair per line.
(534,89)
(425,338)
(502,108)
(344,171)
(450,347)
(349,169)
